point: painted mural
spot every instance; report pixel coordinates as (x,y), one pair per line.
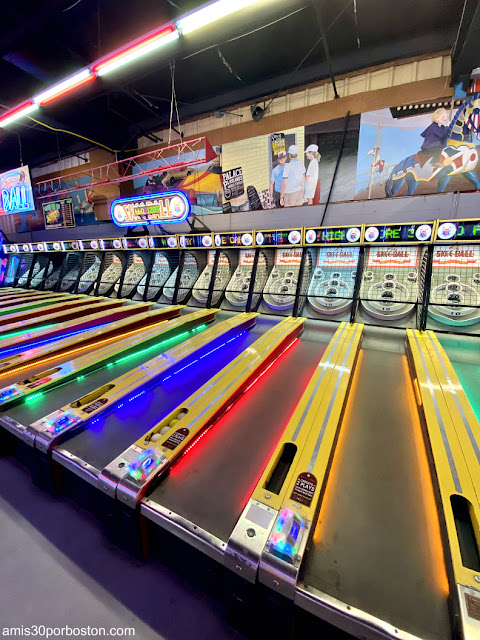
(420,154)
(201,183)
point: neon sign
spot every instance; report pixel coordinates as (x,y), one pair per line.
(16,193)
(156,208)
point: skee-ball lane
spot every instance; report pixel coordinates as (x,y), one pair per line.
(209,487)
(377,544)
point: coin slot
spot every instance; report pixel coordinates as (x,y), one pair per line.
(463,516)
(91,397)
(281,469)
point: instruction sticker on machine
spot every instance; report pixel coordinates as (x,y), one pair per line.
(176,439)
(304,489)
(90,408)
(457,256)
(288,257)
(406,257)
(338,257)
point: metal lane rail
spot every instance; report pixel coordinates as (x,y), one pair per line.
(144,340)
(61,311)
(252,531)
(452,433)
(13,305)
(19,402)
(14,366)
(107,428)
(101,313)
(129,475)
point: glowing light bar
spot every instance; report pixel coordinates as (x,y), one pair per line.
(64,87)
(141,48)
(211,13)
(15,114)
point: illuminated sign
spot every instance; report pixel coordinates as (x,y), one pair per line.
(333,235)
(458,230)
(233,239)
(16,193)
(401,233)
(157,208)
(196,241)
(162,242)
(110,243)
(278,237)
(70,245)
(59,214)
(89,244)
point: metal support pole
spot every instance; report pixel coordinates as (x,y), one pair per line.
(426,289)
(298,292)
(122,276)
(251,287)
(100,273)
(323,33)
(358,282)
(149,276)
(340,153)
(179,275)
(63,270)
(211,288)
(79,274)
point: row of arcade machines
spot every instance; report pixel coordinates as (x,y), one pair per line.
(347,490)
(335,268)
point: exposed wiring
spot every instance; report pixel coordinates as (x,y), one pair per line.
(355,16)
(227,64)
(287,82)
(77,135)
(173,101)
(248,33)
(454,46)
(71,6)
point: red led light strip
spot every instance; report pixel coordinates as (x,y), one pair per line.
(205,431)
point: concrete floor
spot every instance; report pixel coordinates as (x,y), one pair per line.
(57,569)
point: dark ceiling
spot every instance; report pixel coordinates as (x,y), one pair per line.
(273,45)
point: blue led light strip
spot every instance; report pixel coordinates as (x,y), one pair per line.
(49,340)
(155,383)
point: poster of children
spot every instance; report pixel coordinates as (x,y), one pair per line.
(295,167)
(418,154)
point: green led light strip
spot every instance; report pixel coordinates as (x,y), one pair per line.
(19,333)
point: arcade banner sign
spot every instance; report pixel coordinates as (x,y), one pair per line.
(16,195)
(156,208)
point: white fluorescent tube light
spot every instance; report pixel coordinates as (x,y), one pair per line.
(211,13)
(137,51)
(17,115)
(63,87)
